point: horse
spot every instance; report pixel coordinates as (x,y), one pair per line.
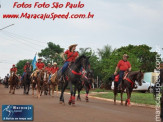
(26,81)
(128,83)
(86,82)
(6,83)
(54,83)
(33,82)
(72,76)
(13,81)
(41,82)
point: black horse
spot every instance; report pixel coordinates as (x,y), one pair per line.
(86,83)
(128,83)
(72,76)
(26,81)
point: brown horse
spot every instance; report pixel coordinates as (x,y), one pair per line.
(53,84)
(39,82)
(128,83)
(13,81)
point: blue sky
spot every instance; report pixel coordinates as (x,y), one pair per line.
(116,23)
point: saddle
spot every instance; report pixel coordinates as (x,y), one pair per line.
(116,78)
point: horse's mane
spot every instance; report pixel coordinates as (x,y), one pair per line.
(134,74)
(79,58)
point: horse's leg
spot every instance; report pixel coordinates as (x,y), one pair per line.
(127,92)
(87,92)
(28,88)
(10,89)
(78,98)
(122,90)
(64,85)
(129,96)
(33,89)
(38,90)
(57,89)
(53,86)
(74,93)
(49,88)
(115,92)
(14,89)
(71,92)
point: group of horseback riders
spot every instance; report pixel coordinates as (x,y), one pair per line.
(76,71)
(71,56)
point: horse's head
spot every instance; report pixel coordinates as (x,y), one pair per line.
(139,77)
(81,61)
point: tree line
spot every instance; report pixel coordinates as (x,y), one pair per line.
(103,61)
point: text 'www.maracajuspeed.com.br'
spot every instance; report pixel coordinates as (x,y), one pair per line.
(45,16)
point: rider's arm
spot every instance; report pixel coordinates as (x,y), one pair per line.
(129,69)
(116,69)
(63,57)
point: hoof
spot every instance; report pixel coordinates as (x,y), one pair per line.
(78,99)
(61,102)
(69,103)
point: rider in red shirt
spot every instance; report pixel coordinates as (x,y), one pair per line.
(26,66)
(40,65)
(48,68)
(71,56)
(123,66)
(13,69)
(54,68)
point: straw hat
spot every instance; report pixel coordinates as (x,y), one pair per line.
(125,55)
(55,63)
(74,45)
(39,58)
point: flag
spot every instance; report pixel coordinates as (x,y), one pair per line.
(34,63)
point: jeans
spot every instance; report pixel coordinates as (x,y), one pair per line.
(23,76)
(49,78)
(121,73)
(65,65)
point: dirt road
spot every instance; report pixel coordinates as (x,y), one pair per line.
(48,109)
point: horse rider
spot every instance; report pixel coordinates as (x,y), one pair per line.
(26,66)
(54,69)
(48,69)
(71,57)
(123,66)
(39,66)
(13,69)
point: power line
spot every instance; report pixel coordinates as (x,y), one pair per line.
(22,39)
(6,27)
(25,37)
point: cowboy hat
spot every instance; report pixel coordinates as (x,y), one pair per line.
(13,65)
(125,55)
(55,63)
(74,45)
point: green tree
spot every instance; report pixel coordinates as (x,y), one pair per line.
(52,52)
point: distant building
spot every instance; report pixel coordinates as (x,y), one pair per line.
(151,77)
